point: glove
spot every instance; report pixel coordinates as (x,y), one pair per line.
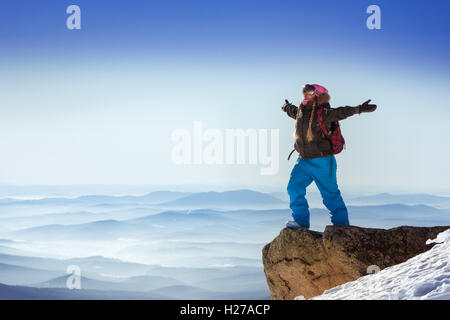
(366,107)
(285,105)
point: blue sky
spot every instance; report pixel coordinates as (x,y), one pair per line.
(98,105)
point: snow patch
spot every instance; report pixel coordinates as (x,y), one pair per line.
(423,277)
(441,237)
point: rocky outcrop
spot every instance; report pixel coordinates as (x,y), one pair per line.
(306,263)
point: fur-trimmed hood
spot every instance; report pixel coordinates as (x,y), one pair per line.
(323,99)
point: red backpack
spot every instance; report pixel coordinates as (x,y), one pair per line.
(334,134)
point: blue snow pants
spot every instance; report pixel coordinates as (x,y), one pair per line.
(323,172)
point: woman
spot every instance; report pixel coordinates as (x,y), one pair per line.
(316,161)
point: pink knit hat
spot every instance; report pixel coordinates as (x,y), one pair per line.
(320,89)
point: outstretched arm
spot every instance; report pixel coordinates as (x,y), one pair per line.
(341,113)
(290,109)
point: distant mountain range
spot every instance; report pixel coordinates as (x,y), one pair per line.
(229,199)
(134,284)
(95,267)
(149,282)
(98,230)
(237,199)
(8,292)
(188,245)
(13,274)
(150,198)
(175,292)
(242,223)
(418,198)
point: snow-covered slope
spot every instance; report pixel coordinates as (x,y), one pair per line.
(425,276)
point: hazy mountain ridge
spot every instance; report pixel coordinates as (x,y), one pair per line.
(417,198)
(168,222)
(158,197)
(176,292)
(150,198)
(238,198)
(157,281)
(214,239)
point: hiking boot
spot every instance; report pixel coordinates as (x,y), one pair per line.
(295,225)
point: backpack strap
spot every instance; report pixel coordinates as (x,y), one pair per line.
(321,123)
(290,154)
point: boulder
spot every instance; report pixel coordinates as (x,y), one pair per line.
(306,263)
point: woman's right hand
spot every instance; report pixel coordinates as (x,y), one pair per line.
(285,105)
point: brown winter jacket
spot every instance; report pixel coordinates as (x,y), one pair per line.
(320,145)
